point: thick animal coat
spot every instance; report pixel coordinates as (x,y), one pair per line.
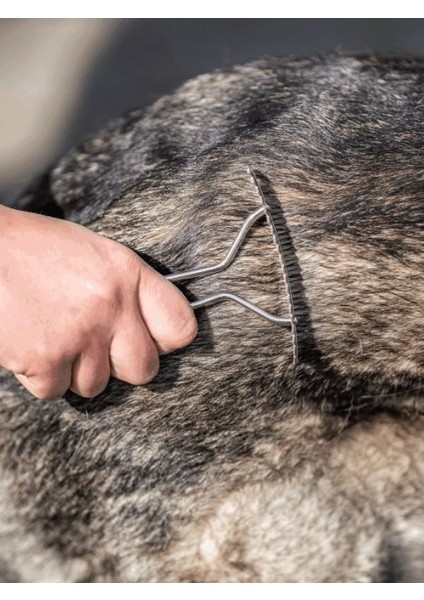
(233,465)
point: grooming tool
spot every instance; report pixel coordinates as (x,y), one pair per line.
(273,213)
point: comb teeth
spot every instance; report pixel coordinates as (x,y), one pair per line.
(289,263)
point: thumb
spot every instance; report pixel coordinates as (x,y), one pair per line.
(165,310)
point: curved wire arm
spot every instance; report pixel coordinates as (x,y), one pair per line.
(203,271)
(221,266)
(252,307)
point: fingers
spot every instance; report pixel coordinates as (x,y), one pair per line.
(91,371)
(165,310)
(47,386)
(133,354)
(87,377)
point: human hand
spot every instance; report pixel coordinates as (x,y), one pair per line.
(76,308)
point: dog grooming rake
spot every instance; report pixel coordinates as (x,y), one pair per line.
(273,213)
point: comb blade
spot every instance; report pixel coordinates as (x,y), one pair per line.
(288,260)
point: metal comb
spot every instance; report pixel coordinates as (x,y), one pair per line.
(274,218)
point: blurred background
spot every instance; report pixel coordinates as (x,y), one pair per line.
(62,79)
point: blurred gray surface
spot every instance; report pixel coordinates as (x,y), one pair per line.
(90,71)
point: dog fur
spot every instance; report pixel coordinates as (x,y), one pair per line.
(233,465)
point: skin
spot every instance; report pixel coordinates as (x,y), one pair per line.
(81,307)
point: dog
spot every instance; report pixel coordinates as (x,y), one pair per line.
(234,465)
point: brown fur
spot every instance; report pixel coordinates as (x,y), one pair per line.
(233,465)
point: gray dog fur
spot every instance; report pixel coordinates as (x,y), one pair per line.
(233,465)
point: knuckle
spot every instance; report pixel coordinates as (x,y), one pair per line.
(46,391)
(128,262)
(103,294)
(45,379)
(46,362)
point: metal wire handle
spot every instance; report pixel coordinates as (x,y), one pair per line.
(221,266)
